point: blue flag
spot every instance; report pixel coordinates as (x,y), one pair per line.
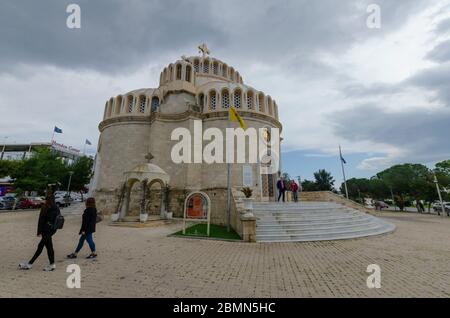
(340,155)
(88,142)
(57,130)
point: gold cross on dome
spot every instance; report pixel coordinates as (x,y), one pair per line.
(204,49)
(149,157)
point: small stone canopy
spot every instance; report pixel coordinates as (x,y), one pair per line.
(148,172)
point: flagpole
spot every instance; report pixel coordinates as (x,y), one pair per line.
(343,171)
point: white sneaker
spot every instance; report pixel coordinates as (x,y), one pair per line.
(49,268)
(25,266)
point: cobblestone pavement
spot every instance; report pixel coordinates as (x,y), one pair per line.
(414,260)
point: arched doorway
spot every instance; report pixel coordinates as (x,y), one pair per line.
(136,199)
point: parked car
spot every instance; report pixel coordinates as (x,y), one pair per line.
(28,203)
(438,208)
(7,202)
(381,205)
(62,201)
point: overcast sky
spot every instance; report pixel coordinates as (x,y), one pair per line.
(383,94)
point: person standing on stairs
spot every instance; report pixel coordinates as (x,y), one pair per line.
(294,189)
(281,189)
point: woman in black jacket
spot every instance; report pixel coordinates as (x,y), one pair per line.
(87,229)
(47,217)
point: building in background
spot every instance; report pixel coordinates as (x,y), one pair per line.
(23,151)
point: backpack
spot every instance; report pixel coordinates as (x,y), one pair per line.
(59,221)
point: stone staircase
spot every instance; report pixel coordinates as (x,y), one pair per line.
(314,221)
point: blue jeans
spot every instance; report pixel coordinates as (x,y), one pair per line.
(89,239)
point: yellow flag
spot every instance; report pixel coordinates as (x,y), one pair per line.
(234,116)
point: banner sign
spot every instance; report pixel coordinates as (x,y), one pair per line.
(62,147)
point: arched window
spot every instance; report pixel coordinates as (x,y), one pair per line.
(155,103)
(188,73)
(130,104)
(206,66)
(212,100)
(170,72)
(250,100)
(275,109)
(237,98)
(106,110)
(269,105)
(178,71)
(142,104)
(196,65)
(231,74)
(225,99)
(261,102)
(118,104)
(165,75)
(110,106)
(224,70)
(216,68)
(201,101)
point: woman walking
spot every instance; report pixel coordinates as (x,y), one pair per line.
(46,229)
(88,223)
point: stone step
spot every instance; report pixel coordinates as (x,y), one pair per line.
(283,222)
(320,236)
(316,229)
(310,218)
(301,224)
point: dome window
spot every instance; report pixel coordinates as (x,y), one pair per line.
(155,103)
(197,66)
(130,104)
(142,105)
(188,73)
(179,72)
(212,100)
(225,100)
(206,66)
(237,98)
(250,100)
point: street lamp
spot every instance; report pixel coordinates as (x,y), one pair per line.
(70,179)
(439,194)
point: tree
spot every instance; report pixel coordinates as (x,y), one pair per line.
(323,180)
(9,167)
(407,181)
(35,173)
(81,169)
(308,185)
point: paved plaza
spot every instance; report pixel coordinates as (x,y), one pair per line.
(145,262)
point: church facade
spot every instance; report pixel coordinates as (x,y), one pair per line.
(137,127)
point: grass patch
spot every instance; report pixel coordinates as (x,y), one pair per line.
(215,231)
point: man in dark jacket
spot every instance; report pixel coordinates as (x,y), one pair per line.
(45,230)
(88,223)
(281,188)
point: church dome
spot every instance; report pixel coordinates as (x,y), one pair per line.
(211,84)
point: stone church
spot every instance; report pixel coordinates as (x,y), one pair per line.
(136,140)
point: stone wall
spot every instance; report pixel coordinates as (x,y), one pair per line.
(328,196)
